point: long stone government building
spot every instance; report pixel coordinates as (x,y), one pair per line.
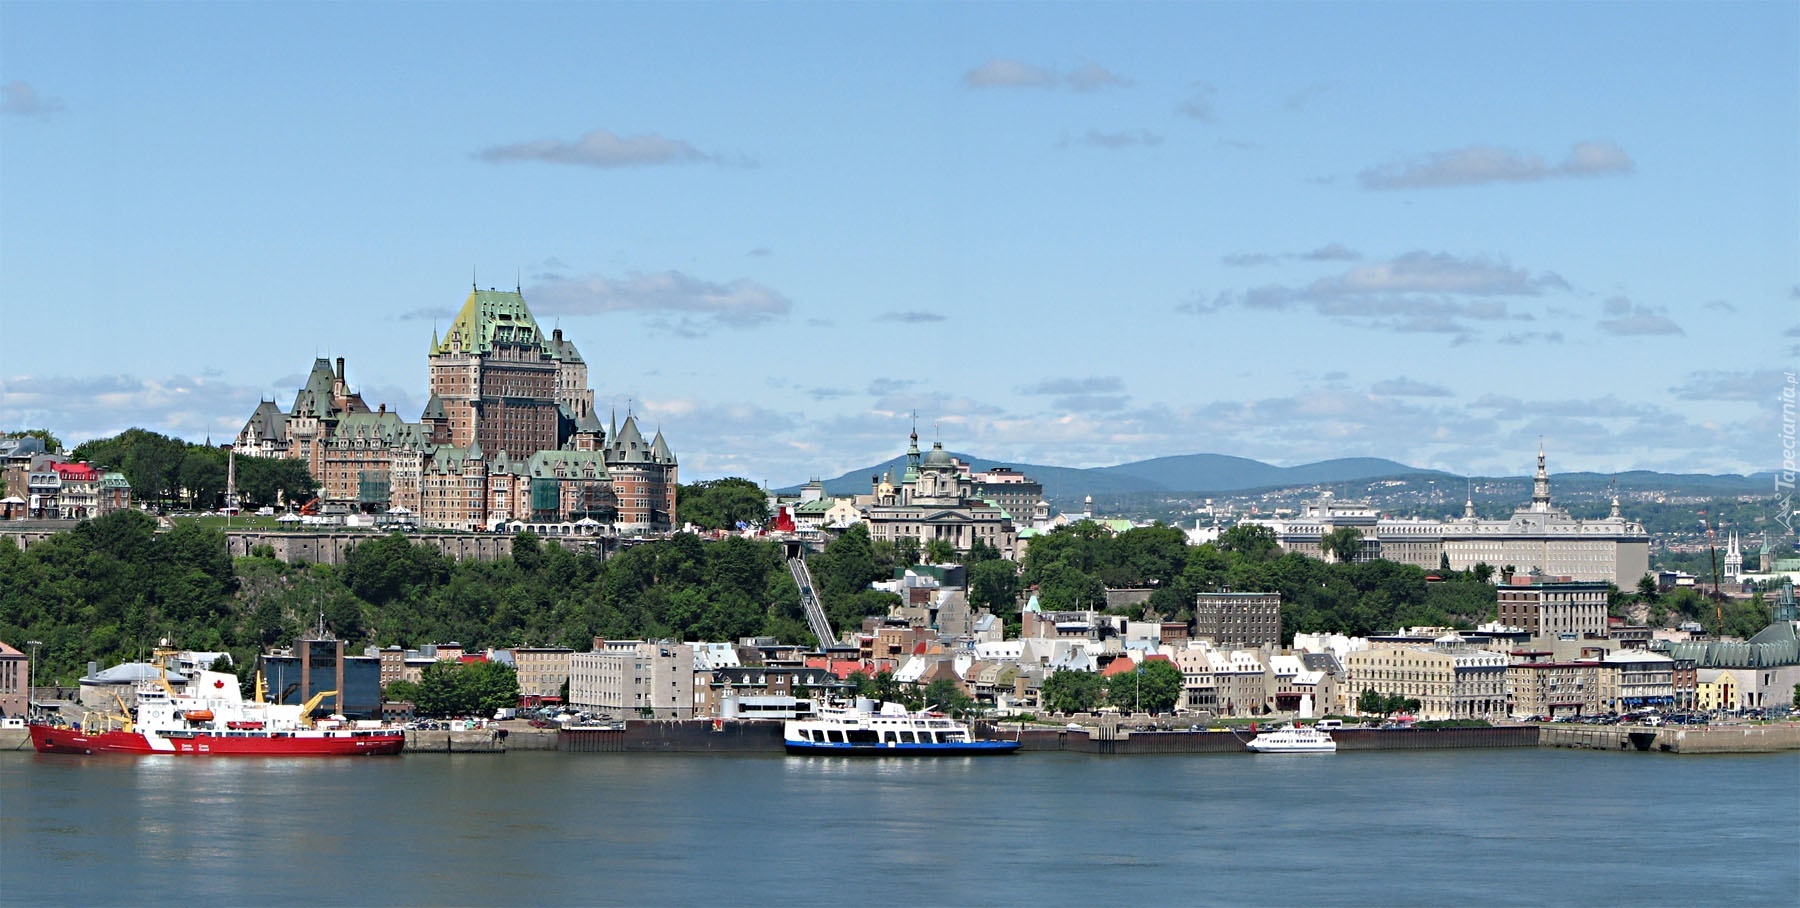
(1536,538)
(509,439)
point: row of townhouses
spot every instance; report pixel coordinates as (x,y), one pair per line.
(44,485)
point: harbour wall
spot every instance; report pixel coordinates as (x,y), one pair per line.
(312,547)
(1703,739)
(1113,740)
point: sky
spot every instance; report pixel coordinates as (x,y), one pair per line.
(1076,234)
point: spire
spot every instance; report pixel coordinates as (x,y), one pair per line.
(1615,500)
(1469,502)
(1540,484)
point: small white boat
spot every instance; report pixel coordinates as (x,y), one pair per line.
(1293,739)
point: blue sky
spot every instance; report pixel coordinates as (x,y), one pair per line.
(1076,234)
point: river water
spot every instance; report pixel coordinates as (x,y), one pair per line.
(1518,826)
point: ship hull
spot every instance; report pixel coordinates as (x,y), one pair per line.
(62,740)
(960,749)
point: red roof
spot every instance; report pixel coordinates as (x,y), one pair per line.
(79,471)
(1119,666)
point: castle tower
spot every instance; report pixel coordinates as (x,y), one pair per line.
(497,377)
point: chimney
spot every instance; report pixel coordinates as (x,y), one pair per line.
(340,364)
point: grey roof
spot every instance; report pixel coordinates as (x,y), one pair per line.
(131,673)
(1775,645)
(628,446)
(21,446)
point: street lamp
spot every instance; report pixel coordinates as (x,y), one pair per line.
(30,675)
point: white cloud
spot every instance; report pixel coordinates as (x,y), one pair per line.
(19,99)
(1480,164)
(1622,317)
(600,148)
(913,317)
(673,301)
(1749,385)
(1002,72)
(1406,387)
(1422,272)
(1199,105)
(1093,77)
(83,408)
(1300,99)
(1131,138)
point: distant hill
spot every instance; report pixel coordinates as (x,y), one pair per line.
(1186,473)
(1224,473)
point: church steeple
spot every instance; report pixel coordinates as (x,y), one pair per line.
(1540,484)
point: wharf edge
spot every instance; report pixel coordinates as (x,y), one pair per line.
(731,736)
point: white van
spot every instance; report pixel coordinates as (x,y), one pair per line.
(1328,724)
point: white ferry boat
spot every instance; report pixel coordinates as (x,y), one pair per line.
(1293,739)
(889,731)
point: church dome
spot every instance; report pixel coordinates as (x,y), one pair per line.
(938,457)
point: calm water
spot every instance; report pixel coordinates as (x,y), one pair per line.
(1525,826)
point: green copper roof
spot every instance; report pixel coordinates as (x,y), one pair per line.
(491,317)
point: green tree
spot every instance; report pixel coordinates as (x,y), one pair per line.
(391,568)
(1070,691)
(861,684)
(994,585)
(946,695)
(1342,544)
(400,691)
(939,551)
(1252,541)
(476,689)
(1154,686)
(266,481)
(981,551)
(52,444)
(722,504)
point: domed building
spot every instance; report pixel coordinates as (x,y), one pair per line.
(935,500)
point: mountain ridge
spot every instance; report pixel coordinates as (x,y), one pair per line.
(1200,475)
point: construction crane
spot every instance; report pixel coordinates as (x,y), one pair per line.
(1718,598)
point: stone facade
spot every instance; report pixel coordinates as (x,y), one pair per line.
(1554,609)
(1537,537)
(935,501)
(633,678)
(1232,620)
(1449,679)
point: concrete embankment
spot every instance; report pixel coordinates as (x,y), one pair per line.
(472,741)
(1118,740)
(14,739)
(1703,739)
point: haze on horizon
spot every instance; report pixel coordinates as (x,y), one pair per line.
(1066,234)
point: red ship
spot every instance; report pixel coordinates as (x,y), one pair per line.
(212,718)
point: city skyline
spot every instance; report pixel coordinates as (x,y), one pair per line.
(1074,235)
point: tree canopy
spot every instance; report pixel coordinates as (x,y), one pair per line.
(722,504)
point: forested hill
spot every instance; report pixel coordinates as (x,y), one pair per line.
(109,589)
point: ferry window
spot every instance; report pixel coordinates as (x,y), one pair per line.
(906,737)
(837,737)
